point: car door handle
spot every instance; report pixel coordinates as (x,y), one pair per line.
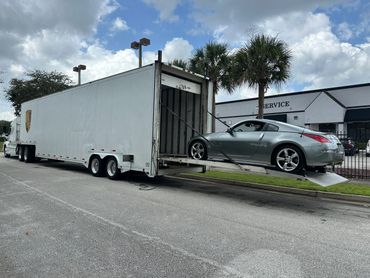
(261,136)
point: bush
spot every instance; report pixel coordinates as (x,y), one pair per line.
(2,139)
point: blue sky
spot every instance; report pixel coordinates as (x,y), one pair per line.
(329,39)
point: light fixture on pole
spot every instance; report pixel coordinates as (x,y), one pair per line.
(138,45)
(78,70)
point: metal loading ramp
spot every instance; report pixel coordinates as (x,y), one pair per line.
(322,179)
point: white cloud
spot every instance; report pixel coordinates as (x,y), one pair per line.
(166,9)
(320,58)
(147,32)
(119,24)
(177,48)
(236,22)
(47,35)
(345,31)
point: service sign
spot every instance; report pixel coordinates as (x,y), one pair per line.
(181,84)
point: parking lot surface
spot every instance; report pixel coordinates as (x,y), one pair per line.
(58,221)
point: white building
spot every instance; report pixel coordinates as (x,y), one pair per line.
(339,110)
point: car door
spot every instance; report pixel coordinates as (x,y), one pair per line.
(243,141)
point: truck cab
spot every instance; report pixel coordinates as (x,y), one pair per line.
(10,147)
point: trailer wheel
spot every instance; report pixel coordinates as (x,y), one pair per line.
(198,150)
(289,158)
(112,170)
(96,166)
(21,153)
(28,154)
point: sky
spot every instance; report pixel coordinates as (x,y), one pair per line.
(329,39)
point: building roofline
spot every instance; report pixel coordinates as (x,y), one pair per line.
(301,92)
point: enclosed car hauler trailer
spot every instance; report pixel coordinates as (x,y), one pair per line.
(125,122)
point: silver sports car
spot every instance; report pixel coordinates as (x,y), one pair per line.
(270,143)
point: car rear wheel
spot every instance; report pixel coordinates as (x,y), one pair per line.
(112,169)
(198,150)
(289,159)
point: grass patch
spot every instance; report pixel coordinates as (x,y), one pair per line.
(345,188)
(1,147)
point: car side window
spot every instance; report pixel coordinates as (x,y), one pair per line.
(271,127)
(248,127)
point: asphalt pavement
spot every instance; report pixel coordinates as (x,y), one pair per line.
(56,220)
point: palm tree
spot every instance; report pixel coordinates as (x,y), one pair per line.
(214,61)
(265,61)
(180,63)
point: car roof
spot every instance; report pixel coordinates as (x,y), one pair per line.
(282,126)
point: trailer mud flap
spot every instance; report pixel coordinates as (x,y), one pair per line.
(325,179)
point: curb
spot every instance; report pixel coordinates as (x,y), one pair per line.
(274,188)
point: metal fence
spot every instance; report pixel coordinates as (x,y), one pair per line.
(356,164)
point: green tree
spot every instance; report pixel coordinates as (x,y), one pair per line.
(38,84)
(265,61)
(4,127)
(180,63)
(214,61)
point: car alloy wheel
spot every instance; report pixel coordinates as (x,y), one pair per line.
(198,150)
(288,159)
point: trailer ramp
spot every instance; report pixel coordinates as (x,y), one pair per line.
(322,179)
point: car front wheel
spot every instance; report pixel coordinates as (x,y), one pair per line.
(198,150)
(289,159)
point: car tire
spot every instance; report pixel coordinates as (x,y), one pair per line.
(21,154)
(198,150)
(96,166)
(112,169)
(289,159)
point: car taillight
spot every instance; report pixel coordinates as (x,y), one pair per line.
(317,138)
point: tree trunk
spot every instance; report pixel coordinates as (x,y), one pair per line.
(214,90)
(261,95)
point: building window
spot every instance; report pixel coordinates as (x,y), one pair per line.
(328,128)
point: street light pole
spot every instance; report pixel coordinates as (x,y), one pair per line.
(139,45)
(78,69)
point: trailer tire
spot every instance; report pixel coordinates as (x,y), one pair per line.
(28,154)
(21,153)
(112,170)
(198,150)
(96,166)
(289,159)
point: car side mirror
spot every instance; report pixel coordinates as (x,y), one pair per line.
(230,131)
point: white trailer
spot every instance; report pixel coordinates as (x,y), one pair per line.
(119,123)
(140,120)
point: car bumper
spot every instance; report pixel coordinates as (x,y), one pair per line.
(325,157)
